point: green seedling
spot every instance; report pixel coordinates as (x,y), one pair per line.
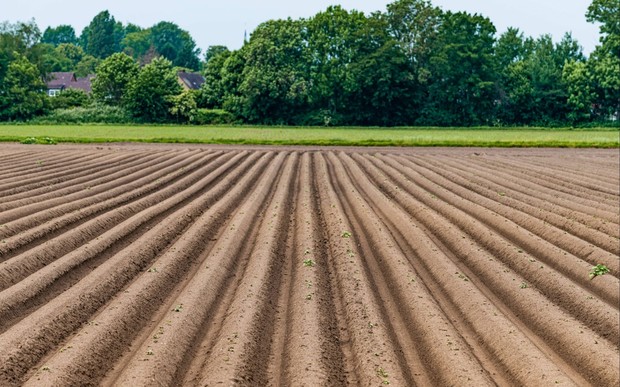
(309,263)
(523,285)
(598,270)
(346,234)
(178,308)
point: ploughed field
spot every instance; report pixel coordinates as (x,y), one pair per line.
(150,265)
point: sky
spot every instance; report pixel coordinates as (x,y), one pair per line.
(224,22)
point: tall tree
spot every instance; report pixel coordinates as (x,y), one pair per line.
(213,51)
(414,25)
(275,85)
(59,35)
(98,38)
(604,63)
(175,44)
(21,92)
(150,94)
(462,86)
(212,90)
(114,76)
(334,42)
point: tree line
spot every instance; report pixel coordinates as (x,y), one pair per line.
(412,64)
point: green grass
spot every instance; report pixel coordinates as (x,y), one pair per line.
(485,137)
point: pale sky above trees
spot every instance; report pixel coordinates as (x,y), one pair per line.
(224,22)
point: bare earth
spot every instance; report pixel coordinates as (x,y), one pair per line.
(144,265)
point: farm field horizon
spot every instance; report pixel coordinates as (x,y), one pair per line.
(190,264)
(343,136)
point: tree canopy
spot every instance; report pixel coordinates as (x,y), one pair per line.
(412,64)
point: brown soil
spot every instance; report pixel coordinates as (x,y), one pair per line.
(142,265)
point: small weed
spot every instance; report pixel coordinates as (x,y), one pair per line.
(523,285)
(153,270)
(381,373)
(46,368)
(501,193)
(309,296)
(598,270)
(150,352)
(178,308)
(309,263)
(346,234)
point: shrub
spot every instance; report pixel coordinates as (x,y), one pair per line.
(212,117)
(68,99)
(95,114)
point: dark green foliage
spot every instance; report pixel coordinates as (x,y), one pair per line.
(215,51)
(274,87)
(88,65)
(175,44)
(212,91)
(150,95)
(21,95)
(413,64)
(97,113)
(114,76)
(69,98)
(462,85)
(98,38)
(212,117)
(63,34)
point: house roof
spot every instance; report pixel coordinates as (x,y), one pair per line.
(60,80)
(192,81)
(83,83)
(65,80)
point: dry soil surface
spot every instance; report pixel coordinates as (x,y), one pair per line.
(143,265)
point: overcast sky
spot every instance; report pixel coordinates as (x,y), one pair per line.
(223,22)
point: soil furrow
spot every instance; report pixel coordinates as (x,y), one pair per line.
(115,167)
(195,265)
(43,244)
(579,256)
(504,352)
(491,233)
(549,322)
(546,191)
(374,358)
(559,216)
(18,219)
(305,349)
(45,178)
(23,345)
(45,163)
(409,316)
(174,346)
(595,187)
(22,297)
